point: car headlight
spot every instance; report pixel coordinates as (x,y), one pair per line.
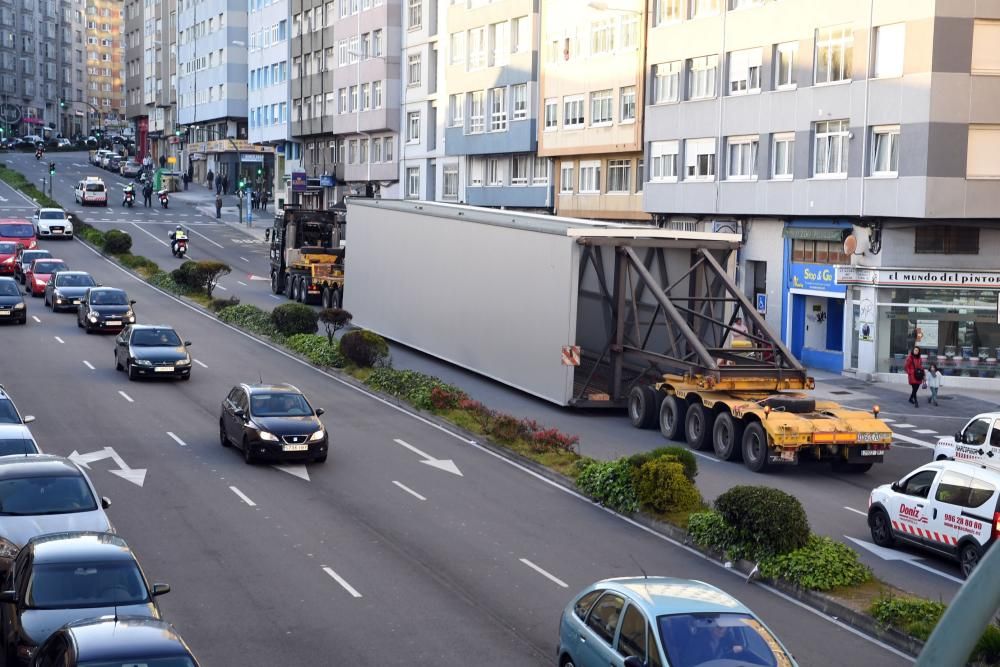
(184,362)
(40,283)
(92,317)
(8,549)
(264,435)
(9,260)
(318,435)
(143,362)
(19,306)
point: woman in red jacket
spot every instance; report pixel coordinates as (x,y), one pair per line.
(914,367)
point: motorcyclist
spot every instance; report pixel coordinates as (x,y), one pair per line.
(128,192)
(39,151)
(178,234)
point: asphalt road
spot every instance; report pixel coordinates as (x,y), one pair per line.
(373,558)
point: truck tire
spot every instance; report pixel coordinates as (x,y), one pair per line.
(727,437)
(643,406)
(336,298)
(755,450)
(289,286)
(277,284)
(672,413)
(698,427)
(793,404)
(324,298)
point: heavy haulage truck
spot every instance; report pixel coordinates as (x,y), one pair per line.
(307,255)
(589,314)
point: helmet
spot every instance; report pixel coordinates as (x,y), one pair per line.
(178,228)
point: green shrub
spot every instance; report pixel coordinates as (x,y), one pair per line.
(765,521)
(680,455)
(987,650)
(249,317)
(412,386)
(609,483)
(92,236)
(333,320)
(190,276)
(117,242)
(294,318)
(364,348)
(165,282)
(821,565)
(917,617)
(211,271)
(218,304)
(708,530)
(317,349)
(139,263)
(662,486)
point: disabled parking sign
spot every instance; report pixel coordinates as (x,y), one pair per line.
(761,303)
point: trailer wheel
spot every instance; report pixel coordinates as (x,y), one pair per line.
(300,290)
(672,412)
(698,427)
(336,298)
(324,298)
(643,406)
(289,287)
(755,447)
(277,284)
(727,437)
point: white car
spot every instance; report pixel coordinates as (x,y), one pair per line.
(52,223)
(99,155)
(977,442)
(951,508)
(33,138)
(91,190)
(15,436)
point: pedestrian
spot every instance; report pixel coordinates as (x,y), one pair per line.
(225,183)
(210,176)
(933,383)
(263,200)
(254,199)
(147,195)
(186,180)
(218,206)
(914,367)
(218,185)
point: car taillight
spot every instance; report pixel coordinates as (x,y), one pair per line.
(996,526)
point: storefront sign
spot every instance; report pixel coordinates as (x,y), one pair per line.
(251,157)
(299,181)
(326,181)
(229,146)
(817,277)
(940,278)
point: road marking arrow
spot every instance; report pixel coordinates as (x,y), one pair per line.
(135,475)
(294,470)
(253,277)
(893,554)
(442,464)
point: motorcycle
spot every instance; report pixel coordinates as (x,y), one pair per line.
(164,198)
(128,198)
(38,154)
(179,248)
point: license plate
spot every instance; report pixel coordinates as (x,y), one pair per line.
(164,369)
(872,452)
(4,312)
(295,448)
(113,323)
(869,437)
(787,455)
(76,302)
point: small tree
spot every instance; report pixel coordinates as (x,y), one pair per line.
(334,319)
(213,272)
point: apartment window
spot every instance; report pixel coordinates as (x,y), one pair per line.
(519,101)
(366,45)
(519,166)
(667,82)
(376,95)
(573,111)
(477,48)
(945,240)
(986,47)
(456,110)
(499,44)
(834,51)
(415,13)
(476,168)
(744,4)
(699,159)
(540,171)
(551,113)
(626,112)
(498,109)
(744,72)
(566,177)
(702,76)
(742,158)
(620,176)
(449,189)
(600,108)
(983,159)
(784,65)
(352,154)
(831,148)
(630,31)
(413,127)
(477,112)
(590,177)
(782,155)
(602,37)
(663,161)
(700,8)
(413,69)
(885,151)
(890,42)
(457,46)
(413,180)
(387,144)
(666,11)
(376,150)
(639,167)
(353,93)
(494,172)
(366,98)
(363,152)
(377,43)
(520,34)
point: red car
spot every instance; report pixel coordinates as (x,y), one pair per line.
(18,231)
(8,250)
(37,277)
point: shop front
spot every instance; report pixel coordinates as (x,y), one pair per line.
(952,316)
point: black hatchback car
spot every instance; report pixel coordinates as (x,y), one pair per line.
(121,640)
(146,350)
(272,421)
(104,309)
(12,308)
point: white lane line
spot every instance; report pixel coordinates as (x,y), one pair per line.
(126,396)
(340,580)
(244,259)
(242,283)
(200,363)
(851,509)
(242,496)
(705,456)
(154,236)
(35,317)
(913,441)
(88,364)
(221,288)
(903,425)
(887,420)
(275,296)
(61,341)
(208,239)
(925,431)
(408,490)
(547,575)
(176,439)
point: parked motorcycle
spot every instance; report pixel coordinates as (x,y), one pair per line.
(164,198)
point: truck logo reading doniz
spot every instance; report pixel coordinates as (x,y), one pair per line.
(911,514)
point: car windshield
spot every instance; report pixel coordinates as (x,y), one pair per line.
(155,338)
(8,415)
(52,215)
(719,639)
(45,267)
(14,446)
(95,187)
(74,585)
(279,405)
(179,661)
(8,288)
(29,256)
(74,280)
(108,298)
(7,248)
(17,231)
(31,496)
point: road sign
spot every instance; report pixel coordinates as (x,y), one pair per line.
(571,355)
(761,303)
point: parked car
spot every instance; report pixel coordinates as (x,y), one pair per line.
(146,350)
(52,223)
(33,139)
(91,190)
(977,442)
(104,309)
(18,231)
(130,169)
(38,275)
(70,576)
(113,163)
(24,258)
(658,621)
(273,421)
(66,289)
(115,641)
(8,253)
(12,306)
(99,155)
(951,508)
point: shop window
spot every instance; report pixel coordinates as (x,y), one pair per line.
(946,240)
(819,252)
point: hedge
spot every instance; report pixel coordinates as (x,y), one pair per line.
(116,242)
(821,565)
(917,617)
(317,349)
(364,348)
(765,521)
(681,455)
(610,483)
(413,386)
(249,317)
(294,318)
(662,486)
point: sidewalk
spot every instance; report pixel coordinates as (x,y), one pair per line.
(202,198)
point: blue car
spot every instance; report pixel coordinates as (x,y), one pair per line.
(663,622)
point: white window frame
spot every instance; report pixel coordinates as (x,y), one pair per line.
(602,37)
(413,182)
(520,177)
(590,177)
(620,175)
(456,109)
(744,71)
(519,101)
(520,34)
(499,44)
(830,134)
(791,49)
(566,178)
(784,170)
(667,82)
(457,47)
(667,11)
(413,127)
(476,46)
(477,111)
(832,39)
(414,14)
(551,119)
(540,168)
(885,136)
(890,51)
(602,108)
(494,172)
(663,161)
(449,175)
(741,158)
(376,94)
(498,109)
(704,8)
(626,104)
(577,103)
(695,169)
(413,69)
(703,77)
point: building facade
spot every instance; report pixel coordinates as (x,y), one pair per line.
(150,79)
(269,86)
(422,140)
(492,106)
(105,63)
(591,84)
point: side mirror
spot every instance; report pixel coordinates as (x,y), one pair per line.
(187,343)
(9,597)
(895,486)
(160,589)
(633,661)
(105,502)
(132,302)
(240,413)
(958,436)
(29,418)
(319,411)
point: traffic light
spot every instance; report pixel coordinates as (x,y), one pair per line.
(52,168)
(62,103)
(260,172)
(243,183)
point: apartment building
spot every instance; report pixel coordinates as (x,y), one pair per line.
(421,145)
(857,146)
(105,62)
(491,73)
(136,113)
(591,83)
(269,84)
(150,78)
